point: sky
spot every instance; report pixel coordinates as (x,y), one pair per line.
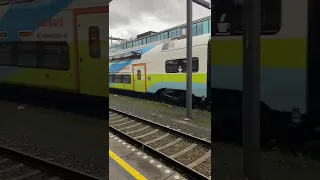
(128,18)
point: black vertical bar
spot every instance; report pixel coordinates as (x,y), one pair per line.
(189,60)
(251,89)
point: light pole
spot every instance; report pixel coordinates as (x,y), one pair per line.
(189,53)
(252,157)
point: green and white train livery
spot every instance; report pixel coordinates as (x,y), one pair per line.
(57,45)
(160,67)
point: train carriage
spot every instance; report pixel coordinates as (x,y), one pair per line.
(56,45)
(160,68)
(284,58)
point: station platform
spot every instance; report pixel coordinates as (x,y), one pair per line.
(128,163)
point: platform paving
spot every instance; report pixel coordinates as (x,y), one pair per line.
(146,165)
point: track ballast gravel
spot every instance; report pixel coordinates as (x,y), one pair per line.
(179,148)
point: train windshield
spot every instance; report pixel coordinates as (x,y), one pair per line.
(227,14)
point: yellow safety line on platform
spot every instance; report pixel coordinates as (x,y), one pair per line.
(126,166)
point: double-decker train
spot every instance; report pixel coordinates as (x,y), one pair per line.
(161,68)
(55,45)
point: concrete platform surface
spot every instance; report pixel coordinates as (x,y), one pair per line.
(127,162)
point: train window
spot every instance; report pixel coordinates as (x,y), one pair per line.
(194,29)
(178,32)
(135,55)
(116,57)
(199,28)
(132,55)
(27,54)
(166,34)
(49,55)
(6,53)
(139,74)
(30,47)
(229,17)
(126,79)
(117,79)
(205,27)
(172,34)
(27,59)
(180,65)
(126,56)
(56,55)
(94,41)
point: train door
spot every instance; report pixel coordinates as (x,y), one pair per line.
(139,77)
(92,51)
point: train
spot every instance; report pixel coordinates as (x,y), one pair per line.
(288,67)
(159,63)
(160,68)
(55,45)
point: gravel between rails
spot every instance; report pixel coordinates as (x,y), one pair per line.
(176,148)
(163,141)
(204,167)
(187,155)
(133,128)
(145,131)
(62,158)
(118,120)
(152,136)
(192,155)
(166,120)
(124,125)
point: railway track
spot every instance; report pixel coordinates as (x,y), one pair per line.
(15,165)
(187,154)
